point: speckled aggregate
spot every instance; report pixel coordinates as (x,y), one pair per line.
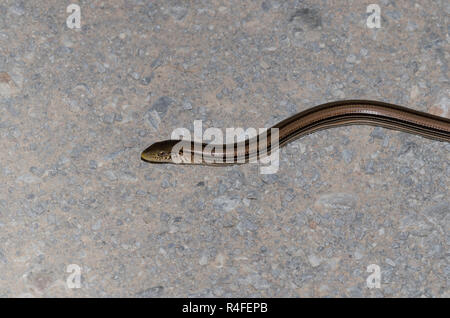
(78,106)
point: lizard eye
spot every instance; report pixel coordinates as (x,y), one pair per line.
(161,153)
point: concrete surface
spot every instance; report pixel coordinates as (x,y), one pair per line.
(78,107)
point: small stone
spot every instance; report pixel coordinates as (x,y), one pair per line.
(288,197)
(220,260)
(203,260)
(351,59)
(347,155)
(108,118)
(111,175)
(147,79)
(187,105)
(246,225)
(415,92)
(257,281)
(178,12)
(17,9)
(162,105)
(153,119)
(307,18)
(264,64)
(97,225)
(135,75)
(411,26)
(415,225)
(3,258)
(358,255)
(74,105)
(152,292)
(314,260)
(378,133)
(36,171)
(390,262)
(338,201)
(338,93)
(166,183)
(38,208)
(439,212)
(441,107)
(354,292)
(266,5)
(100,67)
(369,167)
(28,178)
(7,86)
(225,203)
(269,178)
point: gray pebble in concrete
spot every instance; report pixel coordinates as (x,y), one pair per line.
(78,107)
